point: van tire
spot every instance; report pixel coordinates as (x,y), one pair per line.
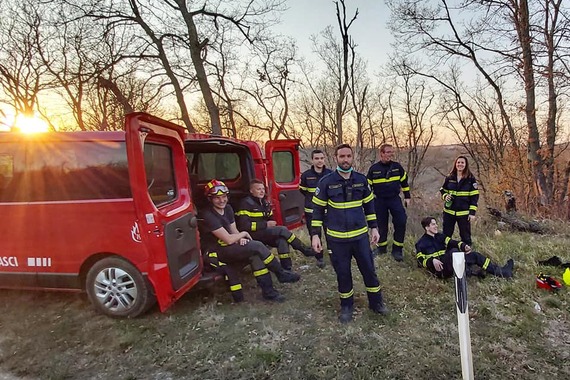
(117,289)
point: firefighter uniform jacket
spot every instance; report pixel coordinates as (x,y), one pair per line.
(431,247)
(349,204)
(253,214)
(465,195)
(387,179)
(308,185)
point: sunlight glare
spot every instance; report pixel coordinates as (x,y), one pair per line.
(30,124)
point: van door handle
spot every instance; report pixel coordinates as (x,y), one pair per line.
(179,233)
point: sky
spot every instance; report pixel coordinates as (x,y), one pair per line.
(305,18)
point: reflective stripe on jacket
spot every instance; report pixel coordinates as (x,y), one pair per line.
(349,204)
(308,185)
(253,214)
(465,195)
(387,179)
(431,247)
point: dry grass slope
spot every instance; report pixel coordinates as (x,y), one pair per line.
(205,336)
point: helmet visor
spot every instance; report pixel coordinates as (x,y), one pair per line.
(218,190)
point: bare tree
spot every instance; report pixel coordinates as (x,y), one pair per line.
(22,74)
(501,53)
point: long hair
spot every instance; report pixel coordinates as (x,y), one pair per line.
(466,172)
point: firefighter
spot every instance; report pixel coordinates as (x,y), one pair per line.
(387,177)
(434,251)
(461,194)
(309,180)
(228,249)
(255,216)
(349,203)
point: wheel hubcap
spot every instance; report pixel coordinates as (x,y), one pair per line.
(115,289)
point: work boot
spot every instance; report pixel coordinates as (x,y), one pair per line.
(380,307)
(345,315)
(271,294)
(287,276)
(238,296)
(398,255)
(505,271)
(321,263)
(307,251)
(378,250)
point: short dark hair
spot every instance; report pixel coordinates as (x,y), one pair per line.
(341,146)
(255,181)
(316,151)
(427,221)
(384,146)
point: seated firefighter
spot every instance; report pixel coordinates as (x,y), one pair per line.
(228,249)
(255,216)
(434,251)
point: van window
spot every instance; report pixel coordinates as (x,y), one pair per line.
(63,171)
(222,166)
(6,170)
(283,167)
(160,178)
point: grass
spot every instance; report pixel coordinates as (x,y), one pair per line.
(205,336)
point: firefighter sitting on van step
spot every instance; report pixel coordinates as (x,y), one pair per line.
(228,249)
(255,216)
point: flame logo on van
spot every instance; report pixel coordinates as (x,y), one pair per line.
(135,233)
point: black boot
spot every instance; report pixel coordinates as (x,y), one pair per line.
(268,292)
(378,250)
(505,271)
(287,276)
(307,251)
(282,274)
(345,315)
(398,255)
(380,307)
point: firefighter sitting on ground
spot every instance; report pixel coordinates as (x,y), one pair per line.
(255,216)
(434,251)
(229,249)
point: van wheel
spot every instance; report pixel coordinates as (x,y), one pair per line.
(116,288)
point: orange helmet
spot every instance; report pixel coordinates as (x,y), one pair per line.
(215,187)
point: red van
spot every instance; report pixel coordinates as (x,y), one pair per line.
(114,213)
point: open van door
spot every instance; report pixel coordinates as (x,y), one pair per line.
(283,177)
(165,213)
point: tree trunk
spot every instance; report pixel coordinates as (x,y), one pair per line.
(196,54)
(534,148)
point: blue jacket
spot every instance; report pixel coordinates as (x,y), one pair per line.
(253,214)
(387,179)
(465,195)
(431,247)
(308,185)
(349,204)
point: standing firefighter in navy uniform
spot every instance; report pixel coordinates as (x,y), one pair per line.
(349,203)
(228,249)
(309,180)
(255,215)
(387,178)
(460,193)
